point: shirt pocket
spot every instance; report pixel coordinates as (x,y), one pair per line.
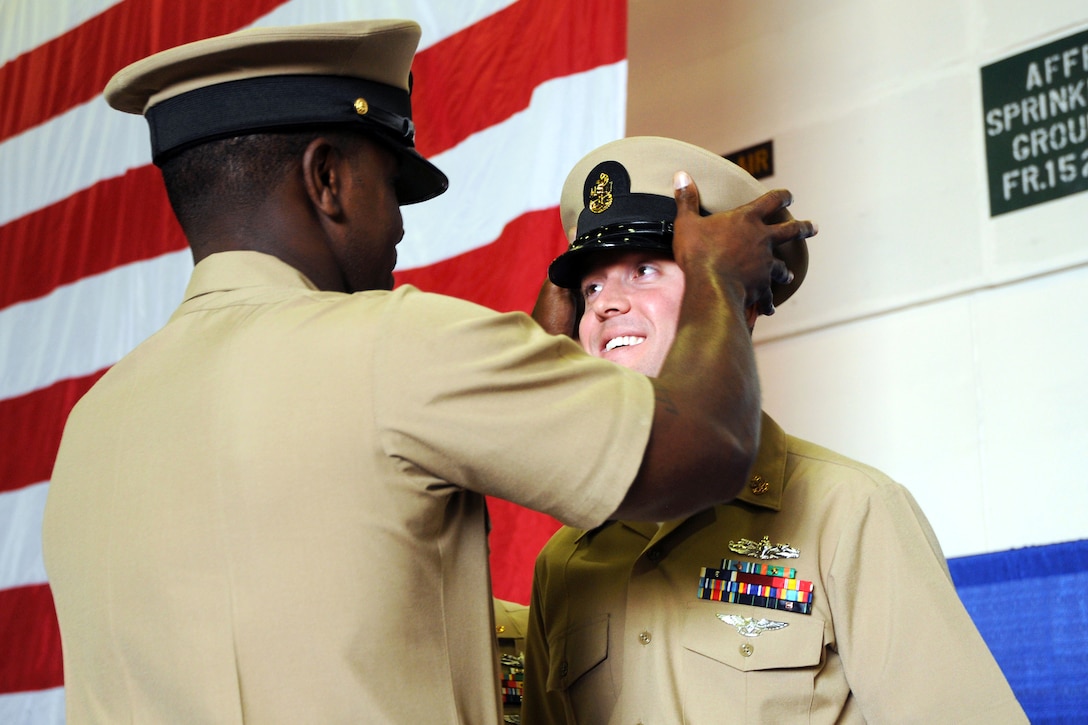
(579,671)
(728,677)
(799,644)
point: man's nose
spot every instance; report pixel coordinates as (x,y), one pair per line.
(611,300)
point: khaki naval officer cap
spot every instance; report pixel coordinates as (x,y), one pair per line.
(620,196)
(349,75)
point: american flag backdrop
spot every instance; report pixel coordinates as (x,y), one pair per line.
(508,95)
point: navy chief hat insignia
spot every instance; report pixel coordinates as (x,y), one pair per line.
(612,213)
(600,194)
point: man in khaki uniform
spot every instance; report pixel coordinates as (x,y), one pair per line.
(511,628)
(820,595)
(273,509)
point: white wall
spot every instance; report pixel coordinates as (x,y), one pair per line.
(931,340)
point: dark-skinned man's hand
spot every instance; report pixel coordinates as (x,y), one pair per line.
(739,242)
(555,309)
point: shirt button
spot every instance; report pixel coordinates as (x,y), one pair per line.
(655,555)
(746,650)
(644,637)
(563,668)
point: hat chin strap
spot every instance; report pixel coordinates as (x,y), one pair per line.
(616,235)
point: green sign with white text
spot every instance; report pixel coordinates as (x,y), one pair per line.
(1035,113)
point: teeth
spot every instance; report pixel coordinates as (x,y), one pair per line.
(624,341)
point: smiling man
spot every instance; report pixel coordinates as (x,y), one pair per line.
(627,298)
(820,595)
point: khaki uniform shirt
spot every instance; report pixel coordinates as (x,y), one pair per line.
(272,510)
(618,633)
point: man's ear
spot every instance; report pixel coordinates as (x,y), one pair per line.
(324,167)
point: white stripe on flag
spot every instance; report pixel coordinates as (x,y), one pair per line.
(515,167)
(438,19)
(83,327)
(40,707)
(28,24)
(69,153)
(21,538)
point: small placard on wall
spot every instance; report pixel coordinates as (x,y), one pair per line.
(1035,116)
(757,160)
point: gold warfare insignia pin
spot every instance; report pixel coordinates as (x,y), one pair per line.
(763,549)
(600,195)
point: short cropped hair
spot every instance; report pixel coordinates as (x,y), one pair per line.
(231,172)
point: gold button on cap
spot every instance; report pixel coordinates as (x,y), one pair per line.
(361,106)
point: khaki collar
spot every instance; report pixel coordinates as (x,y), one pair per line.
(767,480)
(226,271)
(766,484)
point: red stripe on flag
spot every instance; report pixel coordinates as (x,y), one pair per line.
(118,221)
(92,52)
(487,72)
(30,430)
(31,640)
(533,240)
(517,536)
